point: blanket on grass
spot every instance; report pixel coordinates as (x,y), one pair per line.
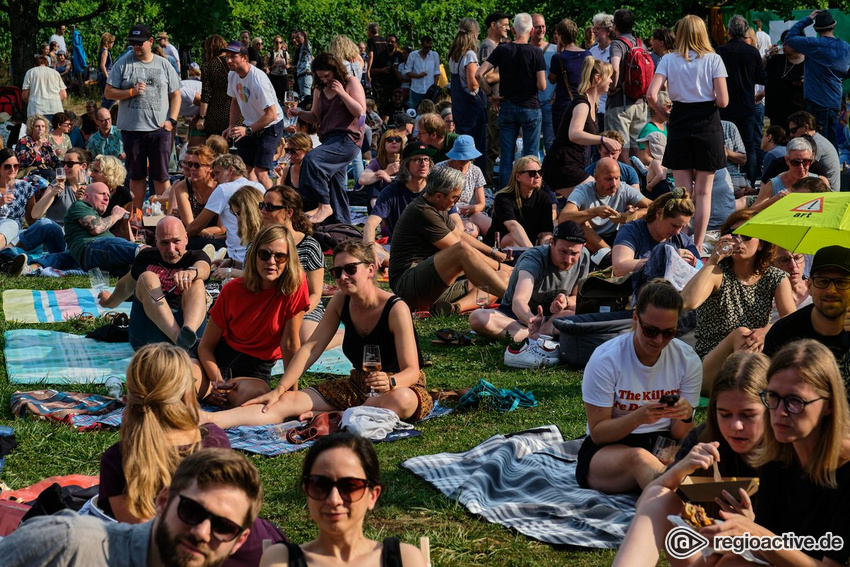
(36,356)
(526,481)
(53,305)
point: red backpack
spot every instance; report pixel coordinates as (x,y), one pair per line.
(637,70)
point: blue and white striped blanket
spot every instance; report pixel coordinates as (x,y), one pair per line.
(526,481)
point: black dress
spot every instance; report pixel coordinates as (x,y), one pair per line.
(565,161)
(214,93)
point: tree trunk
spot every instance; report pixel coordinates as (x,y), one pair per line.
(25,25)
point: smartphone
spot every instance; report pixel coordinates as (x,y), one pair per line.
(669,399)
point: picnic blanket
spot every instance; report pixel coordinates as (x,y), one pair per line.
(61,406)
(526,481)
(53,305)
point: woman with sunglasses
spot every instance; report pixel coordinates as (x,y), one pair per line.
(297,147)
(383,169)
(731,437)
(799,159)
(159,428)
(254,322)
(623,385)
(733,294)
(804,473)
(371,316)
(341,477)
(13,201)
(34,150)
(523,213)
(192,194)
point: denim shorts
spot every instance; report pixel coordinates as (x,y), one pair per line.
(258,149)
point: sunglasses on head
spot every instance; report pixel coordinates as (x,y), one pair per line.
(653,332)
(349,269)
(350,489)
(191,513)
(396,139)
(11,166)
(269,207)
(266,255)
(803,162)
(532,172)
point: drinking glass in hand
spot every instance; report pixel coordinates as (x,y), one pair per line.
(98,281)
(482,296)
(226,374)
(290,99)
(60,174)
(372,363)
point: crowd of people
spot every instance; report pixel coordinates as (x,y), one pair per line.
(541,163)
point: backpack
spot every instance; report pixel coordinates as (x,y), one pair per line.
(637,71)
(329,235)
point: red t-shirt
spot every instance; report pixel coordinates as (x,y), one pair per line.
(253,323)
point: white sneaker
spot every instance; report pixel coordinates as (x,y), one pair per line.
(209,250)
(536,353)
(219,254)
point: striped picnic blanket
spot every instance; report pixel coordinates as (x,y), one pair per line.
(526,481)
(53,305)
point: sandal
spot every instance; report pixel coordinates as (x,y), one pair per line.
(450,337)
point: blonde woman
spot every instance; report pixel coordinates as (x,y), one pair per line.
(383,169)
(244,204)
(34,150)
(563,166)
(254,322)
(523,215)
(468,101)
(297,147)
(346,51)
(696,82)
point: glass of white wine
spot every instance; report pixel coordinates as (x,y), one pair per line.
(290,99)
(372,363)
(482,296)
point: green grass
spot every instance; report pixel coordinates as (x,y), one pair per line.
(409,507)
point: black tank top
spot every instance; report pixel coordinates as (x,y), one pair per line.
(353,343)
(390,554)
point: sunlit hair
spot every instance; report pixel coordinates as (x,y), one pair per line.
(800,144)
(329,62)
(613,134)
(31,124)
(522,24)
(228,161)
(443,180)
(815,365)
(246,201)
(670,205)
(300,141)
(737,27)
(217,144)
(658,293)
(83,155)
(160,400)
(383,155)
(466,39)
(432,123)
(292,275)
(691,35)
(810,185)
(213,46)
(603,20)
(358,445)
(590,69)
(513,186)
(744,372)
(205,154)
(106,39)
(344,48)
(114,173)
(291,199)
(567,31)
(767,251)
(363,251)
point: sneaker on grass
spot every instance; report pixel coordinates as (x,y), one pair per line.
(534,354)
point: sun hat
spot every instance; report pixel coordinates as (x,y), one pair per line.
(463,149)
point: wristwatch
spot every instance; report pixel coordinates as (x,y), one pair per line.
(392,382)
(194,269)
(201,117)
(248,131)
(690,419)
(173,121)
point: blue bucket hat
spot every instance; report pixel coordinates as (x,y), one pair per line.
(463,149)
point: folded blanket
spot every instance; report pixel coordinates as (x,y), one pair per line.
(52,306)
(526,481)
(61,406)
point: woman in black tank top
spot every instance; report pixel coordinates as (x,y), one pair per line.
(341,477)
(371,316)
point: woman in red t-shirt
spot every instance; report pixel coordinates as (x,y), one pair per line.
(254,322)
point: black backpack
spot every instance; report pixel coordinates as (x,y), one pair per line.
(329,235)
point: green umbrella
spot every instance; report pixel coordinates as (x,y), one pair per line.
(803,222)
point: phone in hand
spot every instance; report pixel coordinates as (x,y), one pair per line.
(669,399)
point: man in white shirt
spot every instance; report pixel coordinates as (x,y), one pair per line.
(254,101)
(59,38)
(423,70)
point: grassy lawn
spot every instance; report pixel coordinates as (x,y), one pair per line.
(409,508)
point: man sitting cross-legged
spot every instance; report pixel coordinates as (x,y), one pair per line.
(430,252)
(168,283)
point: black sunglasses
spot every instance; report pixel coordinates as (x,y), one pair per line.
(803,162)
(349,269)
(269,207)
(69,163)
(532,172)
(193,164)
(191,513)
(11,166)
(350,489)
(793,404)
(652,332)
(396,139)
(266,255)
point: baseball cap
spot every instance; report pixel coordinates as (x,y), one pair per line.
(403,118)
(832,257)
(570,231)
(139,33)
(236,47)
(416,148)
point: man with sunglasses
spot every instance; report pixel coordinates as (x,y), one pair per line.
(827,318)
(166,283)
(802,123)
(202,518)
(106,140)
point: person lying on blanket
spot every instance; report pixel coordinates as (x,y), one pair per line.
(167,287)
(638,388)
(254,322)
(542,287)
(372,317)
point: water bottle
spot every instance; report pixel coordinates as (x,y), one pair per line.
(114,386)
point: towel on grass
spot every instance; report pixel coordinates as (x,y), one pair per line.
(526,481)
(53,305)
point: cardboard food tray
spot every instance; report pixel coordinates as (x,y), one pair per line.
(623,218)
(706,489)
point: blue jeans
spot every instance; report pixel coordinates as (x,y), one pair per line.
(109,253)
(746,128)
(414,99)
(826,118)
(50,236)
(547,126)
(305,86)
(323,176)
(758,130)
(143,331)
(512,119)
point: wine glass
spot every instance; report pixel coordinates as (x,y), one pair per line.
(482,296)
(60,174)
(98,281)
(290,99)
(372,363)
(226,374)
(233,149)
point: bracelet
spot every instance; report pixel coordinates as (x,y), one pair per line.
(601,141)
(392,380)
(132,94)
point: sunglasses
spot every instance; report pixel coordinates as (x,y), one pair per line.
(349,269)
(350,489)
(803,162)
(191,513)
(266,255)
(821,282)
(396,139)
(193,164)
(69,163)
(269,207)
(793,404)
(653,332)
(11,166)
(532,172)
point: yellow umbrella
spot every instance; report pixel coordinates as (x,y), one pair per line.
(803,222)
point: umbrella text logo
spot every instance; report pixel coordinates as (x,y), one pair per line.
(809,207)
